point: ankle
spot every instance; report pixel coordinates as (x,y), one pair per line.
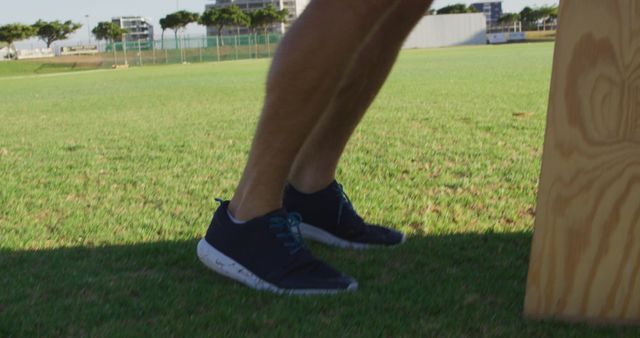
(234,219)
(245,211)
(309,184)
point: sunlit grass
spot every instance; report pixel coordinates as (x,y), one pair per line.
(108,179)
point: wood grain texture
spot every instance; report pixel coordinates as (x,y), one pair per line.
(585,258)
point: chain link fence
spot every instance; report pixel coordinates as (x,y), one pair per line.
(187,50)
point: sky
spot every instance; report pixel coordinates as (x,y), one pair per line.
(29,11)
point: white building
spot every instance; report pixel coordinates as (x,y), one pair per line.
(448,30)
(4,53)
(294,7)
(139,28)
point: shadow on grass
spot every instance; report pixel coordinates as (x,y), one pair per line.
(449,285)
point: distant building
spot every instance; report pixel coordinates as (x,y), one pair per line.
(5,54)
(492,10)
(138,28)
(79,50)
(445,30)
(294,7)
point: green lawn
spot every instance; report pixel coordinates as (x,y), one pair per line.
(34,67)
(108,181)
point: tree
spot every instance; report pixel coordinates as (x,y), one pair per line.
(224,16)
(532,17)
(509,18)
(255,23)
(179,20)
(263,18)
(15,32)
(164,25)
(544,14)
(49,32)
(273,16)
(456,9)
(109,31)
(171,22)
(529,17)
(548,13)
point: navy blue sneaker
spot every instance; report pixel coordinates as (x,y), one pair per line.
(267,253)
(329,217)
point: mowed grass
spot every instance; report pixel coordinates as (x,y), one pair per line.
(108,181)
(28,67)
(52,65)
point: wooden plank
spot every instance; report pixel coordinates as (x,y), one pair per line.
(585,258)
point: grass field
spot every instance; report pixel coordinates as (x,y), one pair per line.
(40,66)
(108,181)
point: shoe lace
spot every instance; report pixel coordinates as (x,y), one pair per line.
(288,231)
(356,222)
(344,201)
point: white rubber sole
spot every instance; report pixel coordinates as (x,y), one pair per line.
(314,233)
(224,265)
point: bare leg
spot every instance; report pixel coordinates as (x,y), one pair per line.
(310,62)
(315,164)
